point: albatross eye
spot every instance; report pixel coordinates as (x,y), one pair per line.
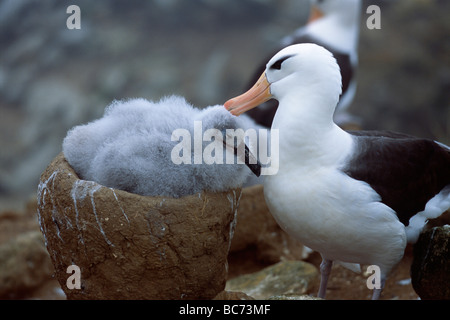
(277,64)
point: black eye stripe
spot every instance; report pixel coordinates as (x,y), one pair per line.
(277,64)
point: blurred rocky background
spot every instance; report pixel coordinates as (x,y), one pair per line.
(53,78)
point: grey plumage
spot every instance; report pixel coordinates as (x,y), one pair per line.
(130,147)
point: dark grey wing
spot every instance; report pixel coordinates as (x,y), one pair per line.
(379,134)
(405,171)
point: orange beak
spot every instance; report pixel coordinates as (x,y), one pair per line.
(257,94)
(315,14)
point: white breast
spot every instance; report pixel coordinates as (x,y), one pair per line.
(330,212)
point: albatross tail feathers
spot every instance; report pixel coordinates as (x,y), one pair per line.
(433,209)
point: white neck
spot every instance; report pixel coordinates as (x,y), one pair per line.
(308,135)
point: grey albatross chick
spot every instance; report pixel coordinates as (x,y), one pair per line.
(138,146)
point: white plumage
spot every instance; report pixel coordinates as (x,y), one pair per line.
(338,31)
(355,197)
(334,25)
(337,27)
(130,147)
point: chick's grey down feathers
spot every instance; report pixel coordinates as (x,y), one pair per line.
(130,147)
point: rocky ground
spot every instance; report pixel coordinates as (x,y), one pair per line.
(52,79)
(33,272)
(26,271)
(348,285)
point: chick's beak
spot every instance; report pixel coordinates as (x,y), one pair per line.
(257,94)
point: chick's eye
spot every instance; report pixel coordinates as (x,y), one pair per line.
(277,64)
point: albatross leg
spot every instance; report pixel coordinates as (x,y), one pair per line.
(377,291)
(325,269)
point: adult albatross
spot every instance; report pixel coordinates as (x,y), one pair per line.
(356,197)
(334,25)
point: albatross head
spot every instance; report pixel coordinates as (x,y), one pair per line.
(321,8)
(298,73)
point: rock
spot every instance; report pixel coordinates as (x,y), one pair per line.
(134,247)
(232,295)
(24,265)
(283,278)
(258,231)
(16,222)
(430,269)
(294,297)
